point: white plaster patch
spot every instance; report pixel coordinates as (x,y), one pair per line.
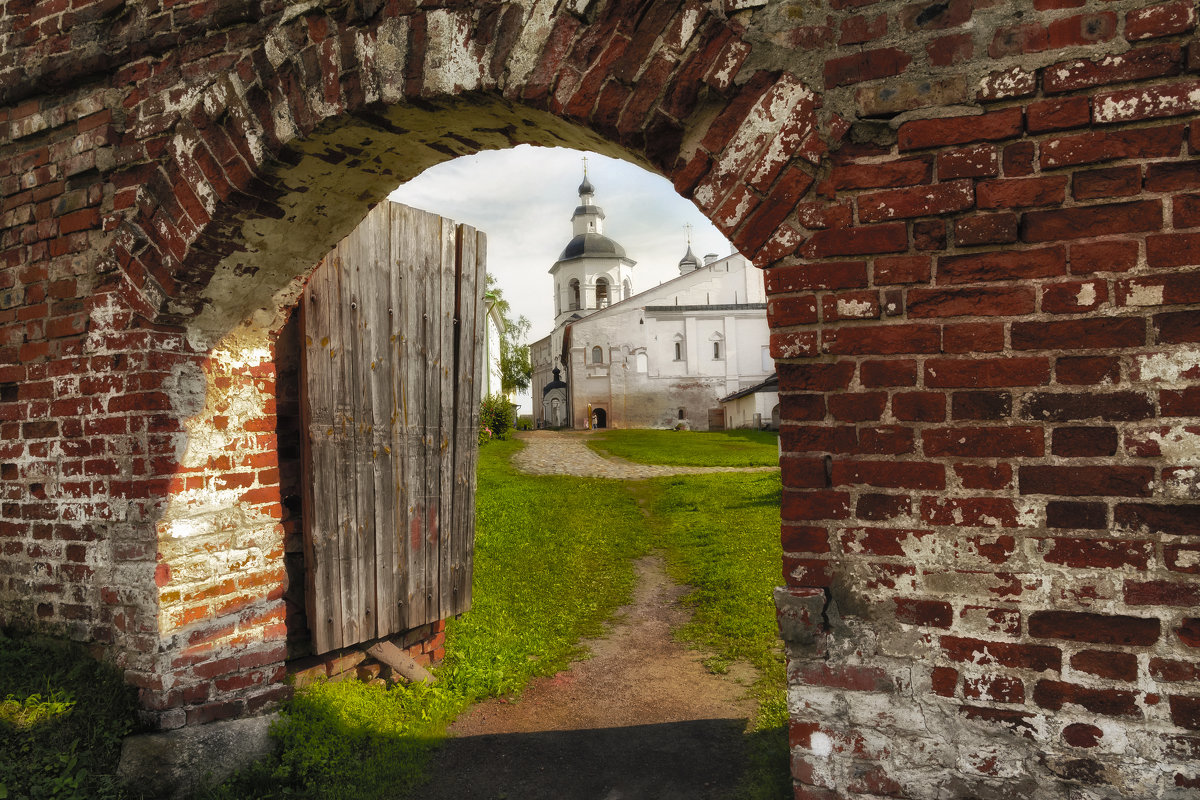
(450,66)
(821,745)
(854,308)
(1086,296)
(1147,104)
(1178,445)
(1182,484)
(1168,367)
(1142,295)
(391,53)
(528,48)
(1187,559)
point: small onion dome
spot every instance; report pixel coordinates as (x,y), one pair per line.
(586,187)
(689,261)
(557,383)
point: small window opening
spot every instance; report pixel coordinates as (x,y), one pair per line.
(679,351)
(597,355)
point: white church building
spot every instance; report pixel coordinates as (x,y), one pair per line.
(661,358)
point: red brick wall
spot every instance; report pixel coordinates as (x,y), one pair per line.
(990,437)
(980,223)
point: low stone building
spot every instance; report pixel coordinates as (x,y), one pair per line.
(756,407)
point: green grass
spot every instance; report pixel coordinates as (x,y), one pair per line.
(62,717)
(740,448)
(721,536)
(544,579)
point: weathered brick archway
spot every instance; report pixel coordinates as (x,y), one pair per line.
(981,234)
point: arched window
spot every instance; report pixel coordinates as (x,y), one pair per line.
(627,290)
(679,351)
(683,413)
(573,295)
(643,363)
(601,293)
(597,355)
(716,350)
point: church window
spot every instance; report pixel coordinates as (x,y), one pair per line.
(683,413)
(573,295)
(601,293)
(628,290)
(597,355)
(679,351)
(643,363)
(716,350)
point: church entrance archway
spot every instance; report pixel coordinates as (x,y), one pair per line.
(599,418)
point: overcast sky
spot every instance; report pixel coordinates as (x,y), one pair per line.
(523,199)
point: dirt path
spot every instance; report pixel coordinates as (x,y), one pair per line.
(641,719)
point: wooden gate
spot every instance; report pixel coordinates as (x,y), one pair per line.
(392,321)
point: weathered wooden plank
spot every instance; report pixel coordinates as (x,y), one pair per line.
(472,433)
(321,542)
(359,289)
(404,308)
(433,399)
(426,243)
(445,421)
(465,436)
(346,495)
(378,313)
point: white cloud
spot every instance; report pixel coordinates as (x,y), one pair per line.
(523,198)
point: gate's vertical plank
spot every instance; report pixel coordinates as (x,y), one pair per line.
(405,307)
(473,428)
(360,292)
(445,419)
(383,405)
(433,399)
(465,438)
(427,251)
(318,445)
(342,328)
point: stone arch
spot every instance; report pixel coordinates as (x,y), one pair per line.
(235,188)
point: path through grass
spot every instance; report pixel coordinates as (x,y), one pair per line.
(720,534)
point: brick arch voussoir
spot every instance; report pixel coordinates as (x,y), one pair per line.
(661,80)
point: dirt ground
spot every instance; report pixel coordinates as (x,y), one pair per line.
(642,718)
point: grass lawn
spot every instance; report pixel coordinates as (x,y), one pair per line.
(741,448)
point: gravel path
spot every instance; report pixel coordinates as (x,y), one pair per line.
(560,453)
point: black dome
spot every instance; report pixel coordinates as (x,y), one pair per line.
(586,187)
(591,244)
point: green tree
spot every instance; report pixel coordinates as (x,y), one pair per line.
(515,367)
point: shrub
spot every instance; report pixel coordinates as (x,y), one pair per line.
(496,415)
